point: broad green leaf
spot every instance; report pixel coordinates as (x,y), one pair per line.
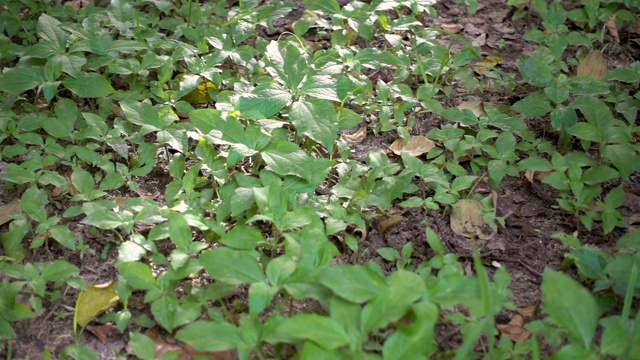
(626,75)
(403,289)
(179,231)
(17,174)
(287,63)
(323,331)
(19,80)
(243,237)
(623,157)
(416,339)
(260,295)
(58,271)
(33,203)
(595,111)
(93,301)
(88,85)
(586,131)
(64,236)
(599,174)
(143,114)
(232,266)
(143,347)
(535,164)
(49,29)
(535,71)
(321,87)
(138,275)
(169,312)
(211,335)
(570,305)
(558,90)
(587,85)
(206,120)
(263,102)
(354,283)
(316,119)
(285,158)
(563,118)
(533,105)
(376,58)
(329,7)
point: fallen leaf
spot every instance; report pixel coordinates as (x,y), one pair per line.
(416,146)
(454,28)
(8,209)
(476,107)
(488,63)
(93,301)
(593,65)
(77,4)
(514,330)
(466,220)
(612,27)
(528,311)
(357,137)
(480,40)
(384,222)
(102,331)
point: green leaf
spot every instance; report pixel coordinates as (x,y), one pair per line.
(623,157)
(17,81)
(563,118)
(263,102)
(260,295)
(586,131)
(323,331)
(143,114)
(64,236)
(587,85)
(232,266)
(179,231)
(595,111)
(558,90)
(88,85)
(143,347)
(58,271)
(533,105)
(18,175)
(535,163)
(354,283)
(316,119)
(328,7)
(393,302)
(287,63)
(321,87)
(285,158)
(33,203)
(243,237)
(535,71)
(137,275)
(211,336)
(414,340)
(570,305)
(170,313)
(599,174)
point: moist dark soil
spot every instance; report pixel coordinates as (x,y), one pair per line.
(524,246)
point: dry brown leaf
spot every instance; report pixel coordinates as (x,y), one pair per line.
(384,222)
(77,4)
(8,209)
(416,146)
(102,331)
(514,332)
(480,40)
(488,63)
(466,220)
(454,28)
(528,311)
(357,137)
(612,27)
(593,65)
(476,107)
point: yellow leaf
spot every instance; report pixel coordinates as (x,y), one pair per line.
(199,95)
(93,301)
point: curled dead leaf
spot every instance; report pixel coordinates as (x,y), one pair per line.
(416,146)
(384,222)
(612,28)
(357,137)
(514,330)
(476,106)
(488,63)
(8,209)
(454,28)
(593,65)
(466,220)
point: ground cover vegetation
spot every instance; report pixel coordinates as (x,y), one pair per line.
(206,180)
